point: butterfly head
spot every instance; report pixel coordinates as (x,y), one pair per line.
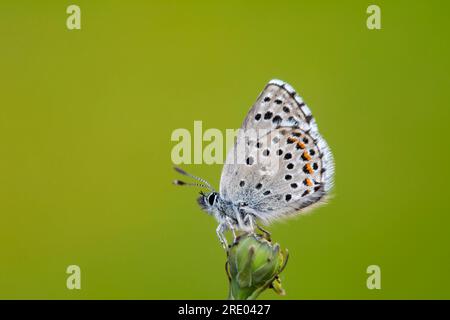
(208,201)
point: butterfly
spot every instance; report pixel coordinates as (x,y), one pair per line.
(279,166)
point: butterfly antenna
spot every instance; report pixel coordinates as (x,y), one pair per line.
(203,183)
(182,183)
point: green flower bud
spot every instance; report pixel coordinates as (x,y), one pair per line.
(253,265)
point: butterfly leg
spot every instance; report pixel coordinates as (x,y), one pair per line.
(231,227)
(219,231)
(264,231)
(248,219)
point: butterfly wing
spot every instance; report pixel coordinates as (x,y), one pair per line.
(280,163)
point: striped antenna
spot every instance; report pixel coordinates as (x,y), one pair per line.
(203,184)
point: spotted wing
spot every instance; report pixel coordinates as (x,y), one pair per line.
(280,164)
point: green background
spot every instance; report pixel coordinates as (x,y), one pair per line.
(86,118)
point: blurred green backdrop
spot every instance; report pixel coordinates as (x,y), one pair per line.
(86,118)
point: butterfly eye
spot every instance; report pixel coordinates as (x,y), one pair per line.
(212,199)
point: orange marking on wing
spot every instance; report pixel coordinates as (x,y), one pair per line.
(301,145)
(306,155)
(308,168)
(308,182)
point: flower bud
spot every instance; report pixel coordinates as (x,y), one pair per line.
(253,265)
